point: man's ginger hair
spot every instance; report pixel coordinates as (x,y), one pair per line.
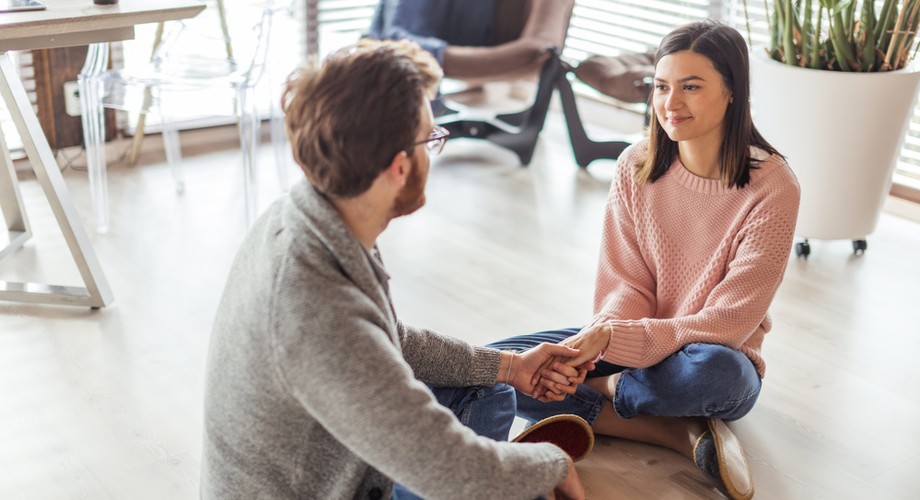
(347,119)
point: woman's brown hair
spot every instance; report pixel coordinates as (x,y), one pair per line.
(727,51)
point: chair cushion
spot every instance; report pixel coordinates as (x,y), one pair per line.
(619,77)
(546,25)
(509,20)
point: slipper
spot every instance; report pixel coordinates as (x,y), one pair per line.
(569,432)
(719,453)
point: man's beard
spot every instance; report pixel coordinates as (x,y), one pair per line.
(412,196)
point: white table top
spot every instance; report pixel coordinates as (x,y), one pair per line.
(79,22)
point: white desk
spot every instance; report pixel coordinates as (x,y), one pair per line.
(64,23)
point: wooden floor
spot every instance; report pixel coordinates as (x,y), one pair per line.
(108,404)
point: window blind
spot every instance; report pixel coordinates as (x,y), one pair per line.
(908,170)
(614,27)
(338,23)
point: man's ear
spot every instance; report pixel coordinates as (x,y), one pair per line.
(398,169)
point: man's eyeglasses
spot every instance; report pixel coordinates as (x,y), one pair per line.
(435,141)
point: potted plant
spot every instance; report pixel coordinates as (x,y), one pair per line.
(834,92)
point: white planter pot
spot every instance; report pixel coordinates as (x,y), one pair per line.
(840,132)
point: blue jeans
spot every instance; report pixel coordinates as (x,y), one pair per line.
(700,380)
(488,411)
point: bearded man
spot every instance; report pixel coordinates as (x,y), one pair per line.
(314,388)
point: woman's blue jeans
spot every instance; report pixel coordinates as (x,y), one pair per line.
(700,380)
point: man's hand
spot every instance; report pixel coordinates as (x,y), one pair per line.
(545,361)
(591,342)
(550,388)
(570,488)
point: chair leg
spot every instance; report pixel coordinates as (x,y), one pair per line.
(172,147)
(224,29)
(93,120)
(280,148)
(517,119)
(515,131)
(249,144)
(522,143)
(585,149)
(439,108)
(138,139)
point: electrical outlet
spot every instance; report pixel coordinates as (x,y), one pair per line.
(72,99)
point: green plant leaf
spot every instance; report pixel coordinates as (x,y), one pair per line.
(858,36)
(885,23)
(807,30)
(866,37)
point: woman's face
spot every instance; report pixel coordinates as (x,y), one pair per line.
(690,98)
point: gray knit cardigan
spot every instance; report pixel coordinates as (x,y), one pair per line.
(315,390)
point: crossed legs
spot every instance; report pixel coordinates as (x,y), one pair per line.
(676,433)
(671,404)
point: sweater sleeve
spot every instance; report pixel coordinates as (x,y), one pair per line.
(340,365)
(736,306)
(442,361)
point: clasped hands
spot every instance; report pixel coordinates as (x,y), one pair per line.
(550,372)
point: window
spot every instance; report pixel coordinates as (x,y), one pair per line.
(614,27)
(331,24)
(908,169)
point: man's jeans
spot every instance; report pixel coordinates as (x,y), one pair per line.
(488,411)
(700,380)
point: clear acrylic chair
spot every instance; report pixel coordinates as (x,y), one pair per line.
(154,88)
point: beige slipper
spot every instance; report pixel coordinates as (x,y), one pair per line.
(719,453)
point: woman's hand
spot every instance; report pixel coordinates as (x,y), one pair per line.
(545,360)
(591,341)
(550,388)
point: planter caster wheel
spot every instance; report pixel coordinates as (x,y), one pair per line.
(859,247)
(803,249)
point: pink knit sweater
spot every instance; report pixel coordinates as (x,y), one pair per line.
(686,260)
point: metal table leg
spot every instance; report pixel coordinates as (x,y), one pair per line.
(96,292)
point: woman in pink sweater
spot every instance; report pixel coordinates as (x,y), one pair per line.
(697,232)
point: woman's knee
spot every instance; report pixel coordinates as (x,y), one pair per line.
(727,376)
(708,371)
(719,358)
